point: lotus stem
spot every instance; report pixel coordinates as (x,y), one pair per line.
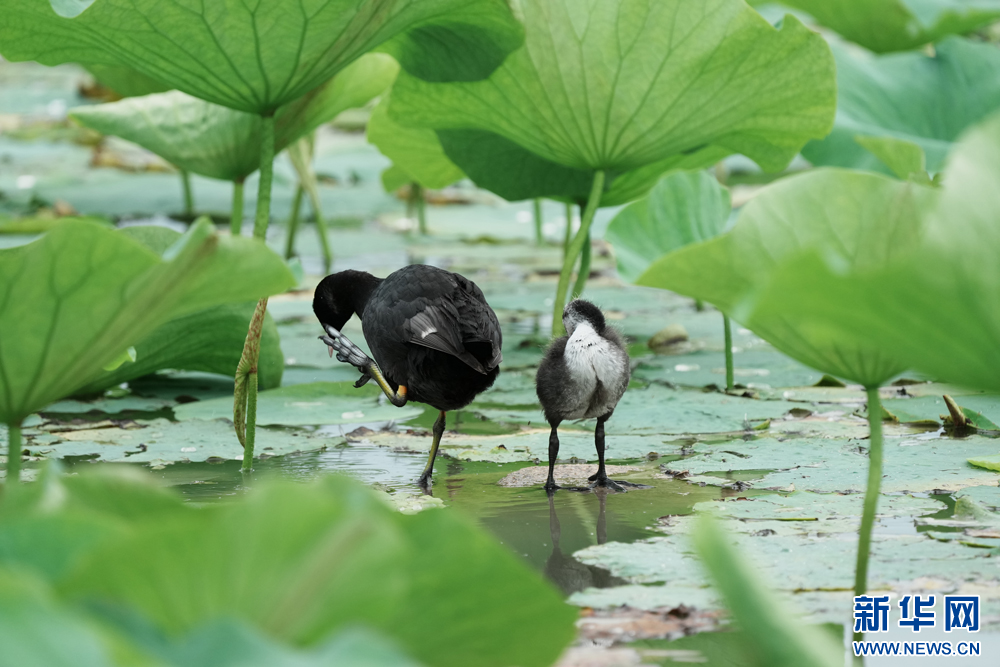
(871,493)
(236,216)
(251,432)
(324,242)
(584,272)
(569,228)
(575,249)
(245,390)
(13,453)
(188,196)
(263,215)
(539,239)
(293,222)
(420,203)
(727,328)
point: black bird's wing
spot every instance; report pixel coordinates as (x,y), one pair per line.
(462,325)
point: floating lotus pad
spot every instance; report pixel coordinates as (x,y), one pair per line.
(309,404)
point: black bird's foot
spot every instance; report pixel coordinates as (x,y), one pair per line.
(346,350)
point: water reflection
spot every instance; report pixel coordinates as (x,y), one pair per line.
(569,574)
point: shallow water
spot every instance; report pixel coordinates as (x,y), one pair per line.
(545,532)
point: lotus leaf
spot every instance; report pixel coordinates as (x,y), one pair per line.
(897,25)
(866,219)
(602,90)
(498,164)
(926,100)
(415,151)
(125,81)
(204,341)
(78,296)
(305,404)
(256,58)
(207,341)
(681,209)
(910,306)
(601,93)
(218,142)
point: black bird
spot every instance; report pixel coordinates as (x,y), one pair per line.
(582,376)
(434,338)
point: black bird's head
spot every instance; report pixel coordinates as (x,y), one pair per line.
(341,295)
(579,311)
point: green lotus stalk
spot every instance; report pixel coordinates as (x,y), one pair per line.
(245,391)
(263,214)
(871,492)
(727,328)
(236,215)
(575,250)
(584,271)
(420,203)
(324,241)
(13,453)
(188,196)
(538,221)
(568,233)
(293,222)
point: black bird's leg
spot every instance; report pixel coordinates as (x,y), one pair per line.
(350,353)
(550,483)
(438,431)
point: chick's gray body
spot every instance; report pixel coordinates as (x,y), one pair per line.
(583,375)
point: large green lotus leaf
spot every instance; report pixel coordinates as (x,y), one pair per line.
(682,208)
(928,100)
(499,165)
(76,298)
(258,57)
(308,404)
(897,25)
(218,142)
(937,308)
(601,87)
(865,220)
(210,340)
(414,150)
(303,561)
(126,81)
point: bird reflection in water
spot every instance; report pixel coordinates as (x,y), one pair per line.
(569,574)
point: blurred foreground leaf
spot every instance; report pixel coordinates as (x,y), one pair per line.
(315,560)
(780,640)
